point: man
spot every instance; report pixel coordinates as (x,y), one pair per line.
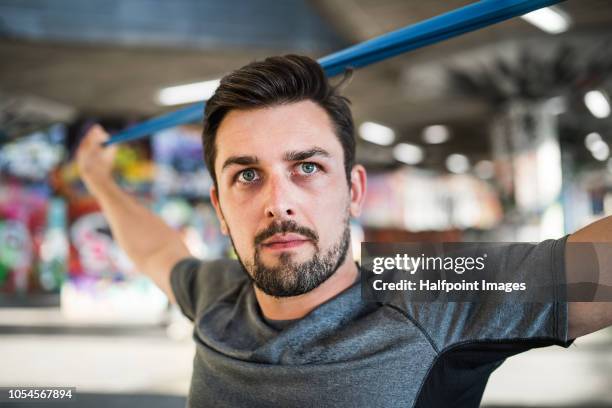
(293,330)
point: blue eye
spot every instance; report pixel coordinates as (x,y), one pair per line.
(247,176)
(308,168)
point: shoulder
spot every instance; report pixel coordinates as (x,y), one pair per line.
(220,272)
(197,284)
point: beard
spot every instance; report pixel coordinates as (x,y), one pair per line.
(291,278)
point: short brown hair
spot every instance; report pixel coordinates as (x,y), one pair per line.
(275,81)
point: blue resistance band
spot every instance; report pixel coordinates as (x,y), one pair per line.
(436,29)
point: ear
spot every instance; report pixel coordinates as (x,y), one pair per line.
(358,189)
(214,198)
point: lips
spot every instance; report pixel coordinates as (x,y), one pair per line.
(285,241)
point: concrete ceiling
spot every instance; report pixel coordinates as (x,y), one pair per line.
(121,77)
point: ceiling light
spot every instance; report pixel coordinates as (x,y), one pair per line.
(591,140)
(457,163)
(598,103)
(375,133)
(484,169)
(195,92)
(550,19)
(435,134)
(408,153)
(601,151)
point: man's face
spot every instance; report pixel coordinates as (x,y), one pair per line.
(283,196)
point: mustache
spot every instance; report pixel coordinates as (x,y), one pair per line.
(284,227)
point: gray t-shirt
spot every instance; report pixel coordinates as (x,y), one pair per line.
(351,353)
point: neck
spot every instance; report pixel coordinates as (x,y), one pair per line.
(296,307)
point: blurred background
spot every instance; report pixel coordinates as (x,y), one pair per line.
(498,135)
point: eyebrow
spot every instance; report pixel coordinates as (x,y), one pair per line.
(294,155)
(305,154)
(239,160)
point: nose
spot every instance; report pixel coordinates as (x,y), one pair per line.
(279,202)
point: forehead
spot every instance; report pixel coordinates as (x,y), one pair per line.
(268,132)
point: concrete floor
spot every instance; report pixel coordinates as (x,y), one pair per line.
(100,400)
(580,376)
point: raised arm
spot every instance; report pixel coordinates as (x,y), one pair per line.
(587,317)
(148,241)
